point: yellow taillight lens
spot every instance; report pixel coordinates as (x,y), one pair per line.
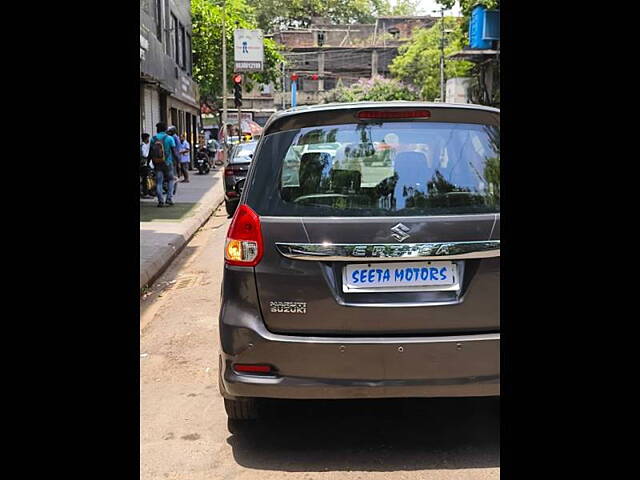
(242,251)
(233,250)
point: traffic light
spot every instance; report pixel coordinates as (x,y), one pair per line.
(237,90)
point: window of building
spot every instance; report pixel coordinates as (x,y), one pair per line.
(174,117)
(158,18)
(329,83)
(176,35)
(189,56)
(182,47)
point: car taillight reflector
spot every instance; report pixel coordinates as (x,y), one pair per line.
(252,368)
(386,114)
(244,245)
(229,171)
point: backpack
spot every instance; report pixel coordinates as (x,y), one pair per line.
(156,152)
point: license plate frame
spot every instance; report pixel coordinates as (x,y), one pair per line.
(347,286)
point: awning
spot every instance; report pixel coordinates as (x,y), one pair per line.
(249,126)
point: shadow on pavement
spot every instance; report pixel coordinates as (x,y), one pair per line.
(194,191)
(149,212)
(371,435)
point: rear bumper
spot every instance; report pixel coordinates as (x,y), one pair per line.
(342,368)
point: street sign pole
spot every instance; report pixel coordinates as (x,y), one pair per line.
(239,124)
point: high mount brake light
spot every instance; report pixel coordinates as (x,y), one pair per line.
(244,246)
(390,114)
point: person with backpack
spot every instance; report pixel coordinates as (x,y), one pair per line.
(173,131)
(161,153)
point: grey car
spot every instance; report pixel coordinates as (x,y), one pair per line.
(235,170)
(363,260)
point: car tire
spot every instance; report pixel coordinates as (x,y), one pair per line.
(230,207)
(241,409)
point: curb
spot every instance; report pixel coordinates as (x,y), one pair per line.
(150,272)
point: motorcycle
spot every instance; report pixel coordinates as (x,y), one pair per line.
(202,162)
(151,184)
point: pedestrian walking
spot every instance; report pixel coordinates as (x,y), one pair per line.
(163,156)
(144,166)
(172,130)
(185,150)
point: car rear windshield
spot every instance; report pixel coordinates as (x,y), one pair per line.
(379,169)
(241,153)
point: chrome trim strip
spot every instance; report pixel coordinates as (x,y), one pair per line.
(336,252)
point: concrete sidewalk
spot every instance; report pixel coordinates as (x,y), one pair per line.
(167,230)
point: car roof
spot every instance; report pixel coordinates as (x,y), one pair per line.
(340,107)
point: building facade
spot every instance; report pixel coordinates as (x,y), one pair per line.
(167,90)
(341,54)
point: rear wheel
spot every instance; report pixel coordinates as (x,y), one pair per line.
(230,207)
(241,409)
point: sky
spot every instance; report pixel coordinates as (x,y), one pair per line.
(426,7)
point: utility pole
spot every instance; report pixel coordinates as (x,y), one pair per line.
(224,71)
(321,72)
(284,87)
(442,56)
(374,62)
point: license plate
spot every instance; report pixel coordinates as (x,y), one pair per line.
(400,277)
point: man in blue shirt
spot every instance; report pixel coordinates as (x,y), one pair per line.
(166,168)
(185,149)
(173,131)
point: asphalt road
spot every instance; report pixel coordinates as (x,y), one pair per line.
(184,431)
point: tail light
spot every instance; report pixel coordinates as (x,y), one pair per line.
(229,172)
(244,244)
(245,368)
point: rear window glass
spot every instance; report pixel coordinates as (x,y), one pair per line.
(241,153)
(378,169)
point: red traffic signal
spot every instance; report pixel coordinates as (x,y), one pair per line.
(237,78)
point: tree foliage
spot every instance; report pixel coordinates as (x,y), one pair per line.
(467,5)
(418,62)
(377,89)
(207,46)
(276,14)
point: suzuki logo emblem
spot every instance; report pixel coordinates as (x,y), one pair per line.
(400,232)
